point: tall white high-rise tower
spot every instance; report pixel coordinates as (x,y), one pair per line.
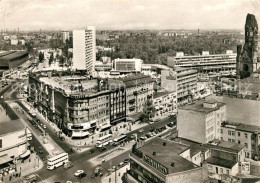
(84,49)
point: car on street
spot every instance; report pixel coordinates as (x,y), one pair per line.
(91,151)
(126,160)
(79,173)
(62,138)
(143,138)
(68,165)
(44,126)
(141,130)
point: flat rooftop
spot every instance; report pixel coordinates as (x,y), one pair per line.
(136,79)
(242,127)
(198,107)
(11,126)
(221,162)
(195,147)
(168,154)
(72,84)
(220,144)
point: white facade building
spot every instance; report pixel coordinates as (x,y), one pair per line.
(65,35)
(128,65)
(84,49)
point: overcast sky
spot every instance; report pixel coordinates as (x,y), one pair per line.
(126,14)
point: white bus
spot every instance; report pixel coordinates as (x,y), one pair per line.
(119,140)
(57,160)
(103,141)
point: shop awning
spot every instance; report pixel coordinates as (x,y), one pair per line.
(79,134)
(27,153)
(5,159)
(105,126)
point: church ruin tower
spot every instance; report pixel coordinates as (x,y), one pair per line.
(248,56)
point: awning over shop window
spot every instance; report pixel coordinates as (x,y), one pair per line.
(79,134)
(5,159)
(105,126)
(27,153)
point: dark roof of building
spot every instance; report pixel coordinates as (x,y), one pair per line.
(11,126)
(136,80)
(225,145)
(198,107)
(241,127)
(13,55)
(168,154)
(221,162)
(195,147)
(6,53)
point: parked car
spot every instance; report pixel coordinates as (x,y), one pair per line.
(68,165)
(79,173)
(91,151)
(62,138)
(141,130)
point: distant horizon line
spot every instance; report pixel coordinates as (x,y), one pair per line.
(180,29)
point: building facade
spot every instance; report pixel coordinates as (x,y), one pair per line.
(139,89)
(248,56)
(13,141)
(182,80)
(201,121)
(13,59)
(165,104)
(76,105)
(84,49)
(246,135)
(205,63)
(65,35)
(128,65)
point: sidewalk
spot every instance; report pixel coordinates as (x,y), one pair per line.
(90,142)
(30,165)
(116,176)
(50,146)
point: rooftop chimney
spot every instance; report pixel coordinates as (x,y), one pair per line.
(154,153)
(172,164)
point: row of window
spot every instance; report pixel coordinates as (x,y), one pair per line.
(232,133)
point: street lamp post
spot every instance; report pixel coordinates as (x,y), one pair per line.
(39,177)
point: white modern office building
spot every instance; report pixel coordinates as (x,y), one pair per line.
(84,49)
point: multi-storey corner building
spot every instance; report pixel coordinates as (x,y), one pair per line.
(75,104)
(205,63)
(248,56)
(162,161)
(139,88)
(246,135)
(182,80)
(128,65)
(13,141)
(201,121)
(84,49)
(165,104)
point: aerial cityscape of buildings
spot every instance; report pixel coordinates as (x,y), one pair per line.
(75,107)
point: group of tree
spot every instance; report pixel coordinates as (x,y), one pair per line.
(155,49)
(148,111)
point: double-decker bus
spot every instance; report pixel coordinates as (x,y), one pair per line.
(57,160)
(120,140)
(103,141)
